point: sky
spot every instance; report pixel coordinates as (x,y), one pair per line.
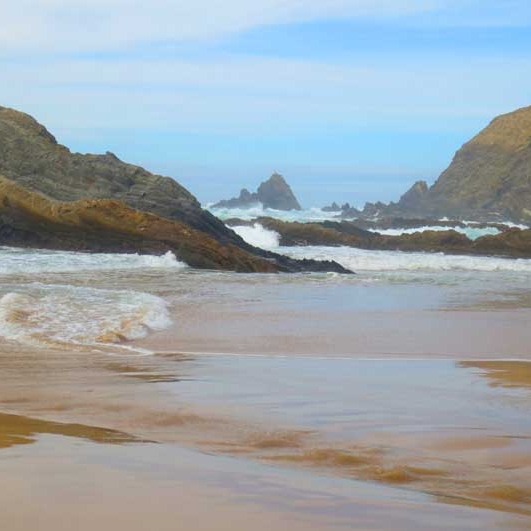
(351,100)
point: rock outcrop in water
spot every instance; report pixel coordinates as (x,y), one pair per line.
(488,179)
(274,193)
(30,219)
(37,168)
(513,243)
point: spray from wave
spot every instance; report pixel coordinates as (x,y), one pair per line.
(258,236)
(257,211)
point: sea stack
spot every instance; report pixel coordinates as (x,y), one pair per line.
(274,193)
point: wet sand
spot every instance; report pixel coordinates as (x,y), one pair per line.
(64,482)
(451,438)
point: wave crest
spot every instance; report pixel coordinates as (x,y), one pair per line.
(30,261)
(68,316)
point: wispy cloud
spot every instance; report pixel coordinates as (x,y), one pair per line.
(89,25)
(77,25)
(239,94)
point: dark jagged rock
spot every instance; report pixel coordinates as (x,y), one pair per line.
(32,159)
(334,207)
(375,210)
(244,200)
(514,243)
(274,193)
(344,211)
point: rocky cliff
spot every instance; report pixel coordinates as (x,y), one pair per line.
(490,176)
(274,193)
(31,157)
(488,179)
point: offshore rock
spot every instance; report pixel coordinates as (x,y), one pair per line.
(29,219)
(274,193)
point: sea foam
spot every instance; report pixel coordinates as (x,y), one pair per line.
(363,260)
(471,232)
(66,316)
(29,261)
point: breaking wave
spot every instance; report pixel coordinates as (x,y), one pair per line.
(29,261)
(66,316)
(258,236)
(362,260)
(471,232)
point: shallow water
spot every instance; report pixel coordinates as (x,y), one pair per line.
(397,376)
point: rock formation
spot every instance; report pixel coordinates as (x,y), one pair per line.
(513,243)
(46,202)
(274,193)
(488,179)
(31,157)
(334,207)
(30,219)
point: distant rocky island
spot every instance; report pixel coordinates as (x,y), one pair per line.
(489,179)
(55,199)
(274,193)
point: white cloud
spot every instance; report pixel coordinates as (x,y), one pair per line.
(104,25)
(77,25)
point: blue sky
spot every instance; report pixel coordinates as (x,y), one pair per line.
(352,100)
